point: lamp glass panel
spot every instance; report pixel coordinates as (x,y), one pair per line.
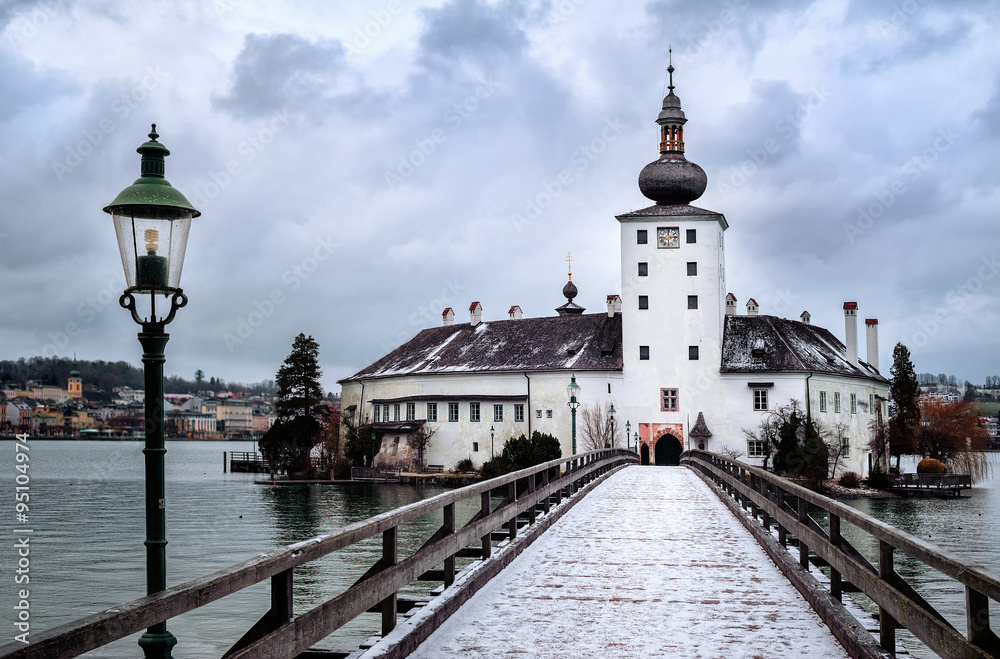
(152,250)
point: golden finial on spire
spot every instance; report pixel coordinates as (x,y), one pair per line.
(569,265)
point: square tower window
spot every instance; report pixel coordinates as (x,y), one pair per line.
(669,400)
(692,352)
(643,301)
(692,235)
(692,268)
(643,352)
(692,301)
(641,237)
(643,269)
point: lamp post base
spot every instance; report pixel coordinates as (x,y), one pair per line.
(157,645)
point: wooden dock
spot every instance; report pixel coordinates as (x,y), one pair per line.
(930,484)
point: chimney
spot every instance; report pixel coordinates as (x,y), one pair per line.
(515,312)
(614,305)
(448,316)
(751,307)
(851,331)
(871,330)
(805,317)
(730,304)
(475,314)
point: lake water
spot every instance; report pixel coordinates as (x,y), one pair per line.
(87,553)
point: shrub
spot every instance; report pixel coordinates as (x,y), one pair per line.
(521,453)
(851,479)
(465,466)
(931,466)
(877,478)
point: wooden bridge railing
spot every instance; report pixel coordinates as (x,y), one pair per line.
(775,500)
(278,633)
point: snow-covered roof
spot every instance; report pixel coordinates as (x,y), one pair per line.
(585,342)
(785,345)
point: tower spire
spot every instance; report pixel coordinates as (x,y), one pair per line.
(670,68)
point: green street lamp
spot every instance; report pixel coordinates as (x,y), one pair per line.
(636,437)
(628,434)
(491,442)
(151,221)
(611,415)
(574,391)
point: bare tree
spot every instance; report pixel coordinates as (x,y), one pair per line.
(420,440)
(878,443)
(833,436)
(766,433)
(731,453)
(594,425)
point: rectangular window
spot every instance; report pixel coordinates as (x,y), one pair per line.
(378,416)
(640,237)
(518,413)
(498,413)
(475,447)
(411,411)
(474,412)
(452,412)
(538,414)
(548,414)
(692,235)
(692,301)
(385,413)
(668,400)
(845,447)
(395,412)
(822,401)
(643,301)
(871,403)
(692,352)
(854,403)
(643,352)
(643,269)
(759,400)
(756,449)
(432,411)
(692,269)
(836,402)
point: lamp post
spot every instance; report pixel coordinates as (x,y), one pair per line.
(574,391)
(611,415)
(491,443)
(151,221)
(628,434)
(636,437)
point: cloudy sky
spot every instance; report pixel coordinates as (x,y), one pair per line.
(361,165)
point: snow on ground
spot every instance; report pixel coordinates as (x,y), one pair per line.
(650,564)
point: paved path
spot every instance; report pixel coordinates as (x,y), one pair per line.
(651,564)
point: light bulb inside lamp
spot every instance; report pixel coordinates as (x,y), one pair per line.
(151,270)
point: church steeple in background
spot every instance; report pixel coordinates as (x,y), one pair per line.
(672,179)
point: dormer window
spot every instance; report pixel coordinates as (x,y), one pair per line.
(757,353)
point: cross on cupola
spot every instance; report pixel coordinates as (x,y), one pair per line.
(571,308)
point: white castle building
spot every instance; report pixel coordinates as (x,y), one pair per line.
(680,366)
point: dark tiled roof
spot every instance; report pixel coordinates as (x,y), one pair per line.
(785,345)
(671,210)
(587,342)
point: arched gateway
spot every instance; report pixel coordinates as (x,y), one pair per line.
(668,451)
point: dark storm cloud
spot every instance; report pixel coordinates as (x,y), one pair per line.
(285,71)
(466,30)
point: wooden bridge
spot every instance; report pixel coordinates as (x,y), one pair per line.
(592,556)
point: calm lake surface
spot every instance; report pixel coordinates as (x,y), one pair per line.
(87,553)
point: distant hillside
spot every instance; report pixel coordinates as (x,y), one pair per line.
(108,375)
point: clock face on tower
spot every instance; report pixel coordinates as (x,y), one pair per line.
(668,237)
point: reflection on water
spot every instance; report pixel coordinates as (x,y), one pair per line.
(87,553)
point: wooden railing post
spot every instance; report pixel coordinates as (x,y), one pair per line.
(511,499)
(545,481)
(281,597)
(977,614)
(886,572)
(484,510)
(389,557)
(531,490)
(803,520)
(449,529)
(836,586)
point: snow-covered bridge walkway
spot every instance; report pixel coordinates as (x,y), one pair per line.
(650,564)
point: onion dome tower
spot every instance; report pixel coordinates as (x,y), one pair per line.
(672,179)
(74,388)
(569,291)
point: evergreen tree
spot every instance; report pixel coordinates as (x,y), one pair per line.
(905,392)
(815,454)
(199,378)
(787,458)
(297,408)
